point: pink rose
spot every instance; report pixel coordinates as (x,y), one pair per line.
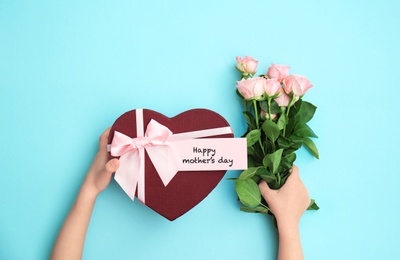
(278,72)
(252,88)
(272,87)
(283,99)
(296,84)
(246,65)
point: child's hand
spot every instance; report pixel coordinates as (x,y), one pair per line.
(290,201)
(101,170)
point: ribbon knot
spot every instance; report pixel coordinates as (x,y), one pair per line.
(156,134)
(131,152)
(140,142)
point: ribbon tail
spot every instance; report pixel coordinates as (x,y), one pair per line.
(165,161)
(127,175)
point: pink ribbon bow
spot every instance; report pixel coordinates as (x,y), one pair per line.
(131,152)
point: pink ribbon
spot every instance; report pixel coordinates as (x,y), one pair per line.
(157,141)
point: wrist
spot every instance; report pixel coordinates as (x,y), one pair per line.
(88,192)
(287,224)
(289,239)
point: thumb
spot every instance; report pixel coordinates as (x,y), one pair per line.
(265,190)
(111,166)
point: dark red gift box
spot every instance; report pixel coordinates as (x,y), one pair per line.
(187,188)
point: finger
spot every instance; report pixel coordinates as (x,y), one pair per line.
(111,166)
(294,170)
(103,140)
(265,189)
(294,173)
(293,178)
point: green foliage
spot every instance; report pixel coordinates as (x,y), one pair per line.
(273,160)
(253,136)
(272,143)
(310,145)
(282,122)
(271,130)
(250,120)
(306,112)
(275,109)
(258,209)
(248,192)
(247,174)
(313,205)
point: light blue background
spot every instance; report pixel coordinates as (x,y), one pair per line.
(68,69)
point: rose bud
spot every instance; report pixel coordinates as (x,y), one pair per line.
(264,115)
(247,65)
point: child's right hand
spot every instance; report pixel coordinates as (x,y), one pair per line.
(289,202)
(101,170)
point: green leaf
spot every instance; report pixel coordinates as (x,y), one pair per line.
(248,192)
(297,141)
(273,160)
(289,150)
(256,178)
(289,127)
(271,130)
(251,151)
(251,121)
(264,105)
(276,158)
(247,174)
(295,108)
(268,178)
(253,137)
(259,209)
(310,145)
(313,205)
(273,184)
(306,112)
(282,121)
(284,142)
(275,109)
(263,171)
(283,179)
(251,162)
(292,120)
(266,175)
(267,162)
(303,130)
(287,161)
(291,157)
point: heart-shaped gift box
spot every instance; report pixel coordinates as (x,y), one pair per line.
(187,188)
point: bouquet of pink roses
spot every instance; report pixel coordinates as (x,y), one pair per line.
(277,119)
